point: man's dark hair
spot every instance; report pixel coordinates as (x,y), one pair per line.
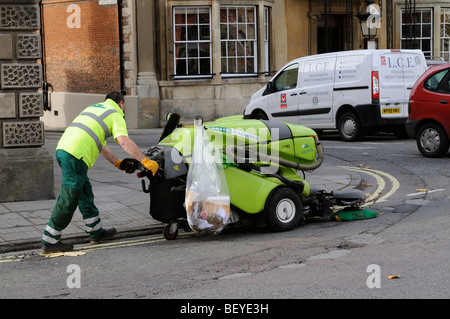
(115,96)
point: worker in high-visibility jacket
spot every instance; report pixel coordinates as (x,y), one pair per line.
(77,150)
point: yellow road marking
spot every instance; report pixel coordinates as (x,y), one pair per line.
(395,184)
(8,259)
(108,245)
(381,184)
(127,243)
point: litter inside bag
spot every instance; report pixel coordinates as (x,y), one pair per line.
(207,198)
(208,215)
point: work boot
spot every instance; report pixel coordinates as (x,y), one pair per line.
(59,247)
(105,234)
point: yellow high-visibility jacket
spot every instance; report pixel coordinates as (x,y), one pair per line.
(86,136)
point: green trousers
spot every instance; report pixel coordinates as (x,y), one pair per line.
(76,191)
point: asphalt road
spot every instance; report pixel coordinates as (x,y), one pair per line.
(323,259)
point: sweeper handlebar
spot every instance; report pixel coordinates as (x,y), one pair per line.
(142,173)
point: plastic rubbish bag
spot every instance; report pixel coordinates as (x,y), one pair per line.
(207,198)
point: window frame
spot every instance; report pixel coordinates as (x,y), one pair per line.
(227,42)
(445,36)
(420,38)
(179,42)
(266,40)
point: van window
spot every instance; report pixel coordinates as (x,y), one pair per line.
(432,82)
(287,79)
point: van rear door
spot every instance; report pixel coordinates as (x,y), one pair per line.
(414,65)
(396,71)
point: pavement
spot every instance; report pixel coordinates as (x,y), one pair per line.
(119,198)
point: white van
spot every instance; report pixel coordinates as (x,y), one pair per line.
(355,92)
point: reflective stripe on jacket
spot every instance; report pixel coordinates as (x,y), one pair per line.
(86,136)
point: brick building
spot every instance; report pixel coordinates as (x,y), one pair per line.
(81,43)
(84,57)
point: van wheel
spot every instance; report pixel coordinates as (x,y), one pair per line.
(349,127)
(432,140)
(284,209)
(259,115)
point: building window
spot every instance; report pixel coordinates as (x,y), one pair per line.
(445,34)
(192,42)
(417,30)
(238,39)
(266,41)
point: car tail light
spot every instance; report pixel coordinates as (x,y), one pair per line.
(375,86)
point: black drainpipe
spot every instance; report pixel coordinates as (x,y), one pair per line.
(45,85)
(122,77)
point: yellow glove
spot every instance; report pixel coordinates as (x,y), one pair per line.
(150,165)
(118,163)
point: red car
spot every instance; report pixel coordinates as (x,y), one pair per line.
(429,111)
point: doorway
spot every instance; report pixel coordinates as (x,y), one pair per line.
(331,38)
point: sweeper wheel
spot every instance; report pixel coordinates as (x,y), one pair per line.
(169,233)
(283,209)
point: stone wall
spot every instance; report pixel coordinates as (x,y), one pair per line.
(26,169)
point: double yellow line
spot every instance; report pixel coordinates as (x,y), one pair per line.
(381,184)
(8,259)
(103,246)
